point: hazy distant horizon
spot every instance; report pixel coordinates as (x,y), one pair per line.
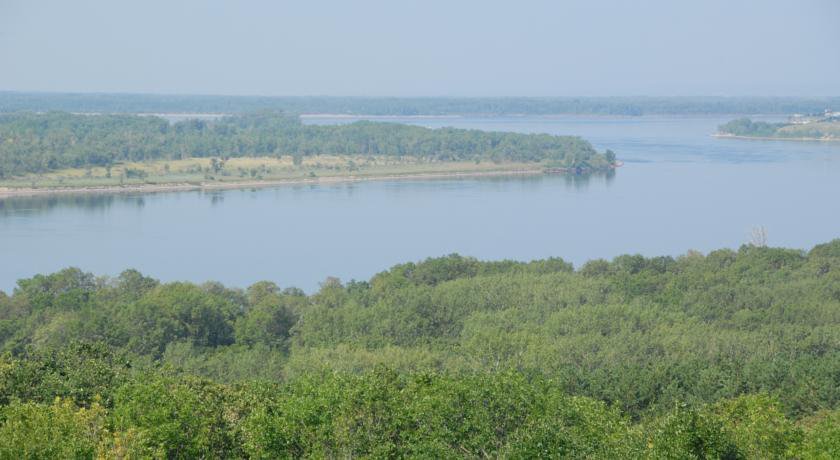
(432,96)
(376,48)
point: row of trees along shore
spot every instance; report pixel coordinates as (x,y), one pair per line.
(42,142)
(731,354)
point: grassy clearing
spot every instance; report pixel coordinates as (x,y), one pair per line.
(250,169)
(830,130)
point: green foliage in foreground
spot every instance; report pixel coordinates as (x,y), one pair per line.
(382,414)
(38,143)
(733,354)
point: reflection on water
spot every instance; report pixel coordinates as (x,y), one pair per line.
(680,189)
(39,204)
(216,197)
(84,202)
(582,182)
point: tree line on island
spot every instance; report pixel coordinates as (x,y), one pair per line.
(733,354)
(32,143)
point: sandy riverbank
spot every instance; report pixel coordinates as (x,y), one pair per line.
(769,138)
(10,192)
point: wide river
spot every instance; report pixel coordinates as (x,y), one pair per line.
(680,189)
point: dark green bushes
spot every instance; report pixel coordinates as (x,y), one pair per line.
(733,354)
(384,414)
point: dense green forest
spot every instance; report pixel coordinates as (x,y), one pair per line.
(148,103)
(745,127)
(43,142)
(732,354)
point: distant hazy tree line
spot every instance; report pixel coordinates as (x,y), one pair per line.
(133,103)
(734,354)
(42,142)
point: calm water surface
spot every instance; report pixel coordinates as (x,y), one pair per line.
(680,189)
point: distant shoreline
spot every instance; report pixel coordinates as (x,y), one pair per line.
(771,138)
(374,117)
(12,192)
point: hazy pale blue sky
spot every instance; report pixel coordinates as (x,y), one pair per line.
(423,48)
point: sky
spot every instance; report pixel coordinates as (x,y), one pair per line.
(423,48)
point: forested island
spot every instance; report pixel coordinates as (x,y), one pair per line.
(409,106)
(59,149)
(732,354)
(827,129)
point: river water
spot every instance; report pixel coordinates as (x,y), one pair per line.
(679,189)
